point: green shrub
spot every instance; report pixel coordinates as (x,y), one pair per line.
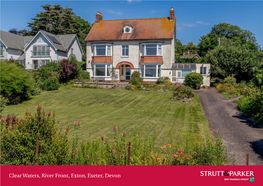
(54,65)
(258,79)
(23,139)
(194,80)
(84,75)
(162,80)
(135,78)
(128,87)
(72,60)
(16,82)
(181,92)
(230,79)
(47,79)
(3,103)
(251,106)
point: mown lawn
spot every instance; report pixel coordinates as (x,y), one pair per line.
(99,110)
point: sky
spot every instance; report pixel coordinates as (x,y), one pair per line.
(193,18)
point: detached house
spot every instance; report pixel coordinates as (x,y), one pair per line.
(35,51)
(128,45)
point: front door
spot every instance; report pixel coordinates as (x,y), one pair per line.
(127,73)
(35,64)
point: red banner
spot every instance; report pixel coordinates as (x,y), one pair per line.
(131,175)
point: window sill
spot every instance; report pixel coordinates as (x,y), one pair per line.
(152,55)
(40,56)
(124,56)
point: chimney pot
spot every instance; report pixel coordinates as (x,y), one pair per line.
(98,17)
(171,14)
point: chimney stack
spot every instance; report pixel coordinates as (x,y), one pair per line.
(171,14)
(98,17)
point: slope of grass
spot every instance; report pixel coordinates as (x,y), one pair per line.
(99,110)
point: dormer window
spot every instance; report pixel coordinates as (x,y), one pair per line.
(127,29)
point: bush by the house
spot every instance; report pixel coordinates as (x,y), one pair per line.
(128,87)
(251,106)
(33,140)
(230,79)
(194,80)
(84,76)
(16,82)
(3,103)
(47,79)
(54,65)
(162,80)
(67,71)
(78,68)
(136,78)
(182,92)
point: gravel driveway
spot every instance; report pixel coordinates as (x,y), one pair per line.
(239,134)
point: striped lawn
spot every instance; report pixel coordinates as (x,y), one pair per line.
(99,110)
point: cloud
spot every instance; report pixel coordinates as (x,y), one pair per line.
(189,25)
(179,28)
(153,11)
(202,23)
(115,12)
(130,1)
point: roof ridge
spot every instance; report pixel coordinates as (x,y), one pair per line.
(11,33)
(134,19)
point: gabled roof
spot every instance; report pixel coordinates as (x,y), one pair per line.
(13,41)
(60,42)
(190,56)
(142,29)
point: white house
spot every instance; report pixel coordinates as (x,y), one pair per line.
(34,51)
(128,45)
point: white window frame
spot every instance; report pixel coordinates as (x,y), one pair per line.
(159,49)
(40,46)
(124,29)
(158,65)
(106,69)
(203,70)
(177,71)
(107,45)
(124,49)
(1,50)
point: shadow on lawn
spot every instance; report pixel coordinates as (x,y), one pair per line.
(257,147)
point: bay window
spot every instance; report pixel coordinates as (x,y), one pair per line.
(101,70)
(102,50)
(152,49)
(151,70)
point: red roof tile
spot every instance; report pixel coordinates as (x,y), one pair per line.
(101,59)
(112,30)
(151,59)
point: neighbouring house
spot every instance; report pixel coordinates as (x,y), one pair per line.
(35,51)
(128,45)
(190,56)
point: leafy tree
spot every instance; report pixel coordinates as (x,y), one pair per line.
(240,37)
(67,70)
(207,42)
(231,59)
(179,48)
(191,47)
(19,32)
(55,19)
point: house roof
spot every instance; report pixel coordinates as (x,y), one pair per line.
(142,29)
(190,56)
(60,42)
(14,41)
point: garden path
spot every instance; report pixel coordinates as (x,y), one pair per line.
(239,134)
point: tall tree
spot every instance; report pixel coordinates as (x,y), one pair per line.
(191,47)
(179,48)
(57,20)
(225,30)
(18,32)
